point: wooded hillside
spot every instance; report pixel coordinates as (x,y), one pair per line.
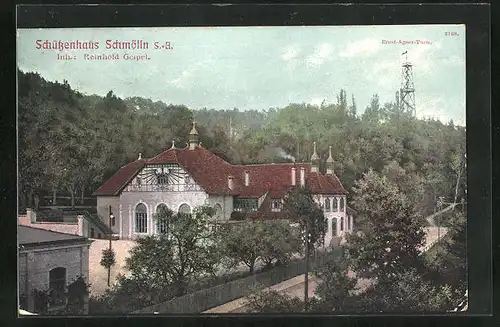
(69,143)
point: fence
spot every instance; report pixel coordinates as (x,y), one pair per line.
(211,297)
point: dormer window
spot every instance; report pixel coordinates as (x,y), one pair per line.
(276,205)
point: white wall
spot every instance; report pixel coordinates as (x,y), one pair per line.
(173,200)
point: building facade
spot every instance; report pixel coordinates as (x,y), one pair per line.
(49,260)
(185,178)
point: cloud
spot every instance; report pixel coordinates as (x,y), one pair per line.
(362,47)
(317,101)
(322,53)
(188,76)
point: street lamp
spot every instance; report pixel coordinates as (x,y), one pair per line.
(306,275)
(111,218)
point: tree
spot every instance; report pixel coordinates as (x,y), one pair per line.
(274,302)
(446,260)
(372,112)
(335,289)
(242,243)
(406,292)
(353,108)
(187,252)
(278,240)
(300,207)
(108,260)
(391,234)
(78,292)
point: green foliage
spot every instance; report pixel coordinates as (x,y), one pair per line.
(71,142)
(129,294)
(391,234)
(274,302)
(108,258)
(336,289)
(299,206)
(446,260)
(241,243)
(78,292)
(407,292)
(185,254)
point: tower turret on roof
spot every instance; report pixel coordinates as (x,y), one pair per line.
(329,162)
(193,137)
(314,160)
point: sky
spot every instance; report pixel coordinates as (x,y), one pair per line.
(262,67)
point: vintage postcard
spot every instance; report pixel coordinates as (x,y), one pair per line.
(242,169)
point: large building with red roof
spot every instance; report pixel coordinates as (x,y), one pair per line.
(184,178)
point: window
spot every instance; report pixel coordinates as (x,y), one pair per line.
(327,204)
(91,233)
(141,218)
(138,180)
(342,223)
(185,209)
(162,179)
(334,206)
(342,204)
(334,227)
(99,235)
(245,205)
(161,223)
(276,205)
(57,285)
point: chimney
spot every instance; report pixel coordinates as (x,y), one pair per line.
(247,178)
(294,176)
(140,156)
(230,182)
(302,176)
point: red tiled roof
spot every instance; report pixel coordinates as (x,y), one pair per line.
(121,178)
(211,173)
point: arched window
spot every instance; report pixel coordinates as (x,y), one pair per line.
(185,209)
(161,222)
(57,279)
(334,206)
(342,204)
(141,218)
(334,227)
(327,204)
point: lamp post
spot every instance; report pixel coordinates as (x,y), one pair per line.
(306,275)
(110,235)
